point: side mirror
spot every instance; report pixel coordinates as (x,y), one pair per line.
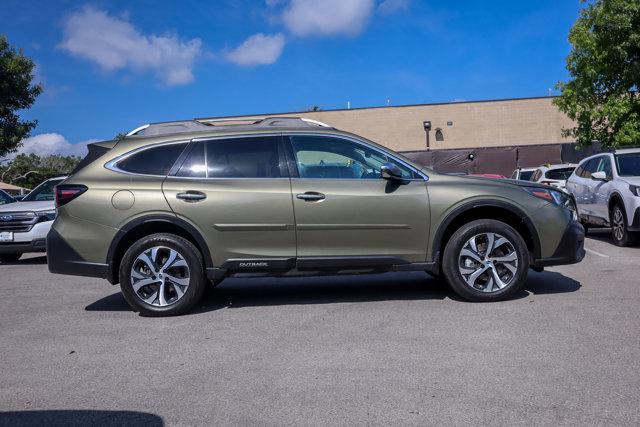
(599,176)
(391,172)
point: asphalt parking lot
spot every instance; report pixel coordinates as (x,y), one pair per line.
(385,349)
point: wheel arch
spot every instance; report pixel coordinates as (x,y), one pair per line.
(486,209)
(613,199)
(144,226)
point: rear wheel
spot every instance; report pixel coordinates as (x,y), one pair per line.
(162,275)
(10,257)
(486,260)
(619,232)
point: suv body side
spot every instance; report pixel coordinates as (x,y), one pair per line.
(595,197)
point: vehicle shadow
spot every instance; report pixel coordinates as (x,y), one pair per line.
(28,260)
(604,235)
(238,293)
(79,418)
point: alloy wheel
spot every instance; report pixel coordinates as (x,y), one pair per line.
(618,224)
(488,262)
(160,276)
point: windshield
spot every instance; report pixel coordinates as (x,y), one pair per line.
(5,198)
(628,164)
(43,192)
(563,173)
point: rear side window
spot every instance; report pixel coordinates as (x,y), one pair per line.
(249,157)
(152,161)
(526,175)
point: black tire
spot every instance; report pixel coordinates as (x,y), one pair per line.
(10,257)
(451,263)
(619,231)
(585,225)
(196,280)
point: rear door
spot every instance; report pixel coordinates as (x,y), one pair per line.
(346,214)
(236,192)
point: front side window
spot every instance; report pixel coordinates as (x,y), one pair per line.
(249,157)
(152,161)
(43,192)
(628,164)
(605,166)
(590,167)
(336,158)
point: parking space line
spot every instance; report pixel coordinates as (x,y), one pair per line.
(596,253)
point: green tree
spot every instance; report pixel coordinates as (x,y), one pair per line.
(29,170)
(604,65)
(17,92)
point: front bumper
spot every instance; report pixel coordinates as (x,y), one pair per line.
(27,241)
(570,250)
(63,259)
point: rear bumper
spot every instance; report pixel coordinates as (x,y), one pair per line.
(63,259)
(570,250)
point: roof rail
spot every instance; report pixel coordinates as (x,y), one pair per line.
(206,124)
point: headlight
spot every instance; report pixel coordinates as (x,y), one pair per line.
(558,198)
(47,215)
(635,189)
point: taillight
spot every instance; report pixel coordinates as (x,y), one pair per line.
(64,193)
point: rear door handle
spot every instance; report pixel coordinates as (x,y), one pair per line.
(191,196)
(310,196)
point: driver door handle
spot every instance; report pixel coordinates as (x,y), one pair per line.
(310,196)
(191,196)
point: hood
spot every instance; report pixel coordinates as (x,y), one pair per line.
(28,206)
(505,181)
(633,180)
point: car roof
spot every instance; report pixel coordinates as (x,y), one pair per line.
(627,150)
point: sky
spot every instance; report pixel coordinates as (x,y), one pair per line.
(109,66)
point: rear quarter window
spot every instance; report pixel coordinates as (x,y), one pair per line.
(156,160)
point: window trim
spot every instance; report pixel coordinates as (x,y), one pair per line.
(292,161)
(112,164)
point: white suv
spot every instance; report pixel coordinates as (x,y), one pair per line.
(24,225)
(606,187)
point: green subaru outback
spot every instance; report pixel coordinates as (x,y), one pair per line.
(176,205)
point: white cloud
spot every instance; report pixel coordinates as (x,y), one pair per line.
(46,144)
(328,17)
(387,7)
(114,44)
(259,49)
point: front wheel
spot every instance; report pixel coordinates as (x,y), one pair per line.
(486,260)
(619,232)
(162,275)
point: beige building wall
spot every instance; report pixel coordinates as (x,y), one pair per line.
(525,121)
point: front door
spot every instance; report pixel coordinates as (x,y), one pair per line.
(344,209)
(236,191)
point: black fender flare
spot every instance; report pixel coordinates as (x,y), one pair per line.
(474,204)
(159,218)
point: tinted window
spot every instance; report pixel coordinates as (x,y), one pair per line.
(536,175)
(590,167)
(43,192)
(563,173)
(251,157)
(579,171)
(195,165)
(152,161)
(5,198)
(628,164)
(526,175)
(336,158)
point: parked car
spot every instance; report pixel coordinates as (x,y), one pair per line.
(606,188)
(24,225)
(5,198)
(555,175)
(523,174)
(174,204)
